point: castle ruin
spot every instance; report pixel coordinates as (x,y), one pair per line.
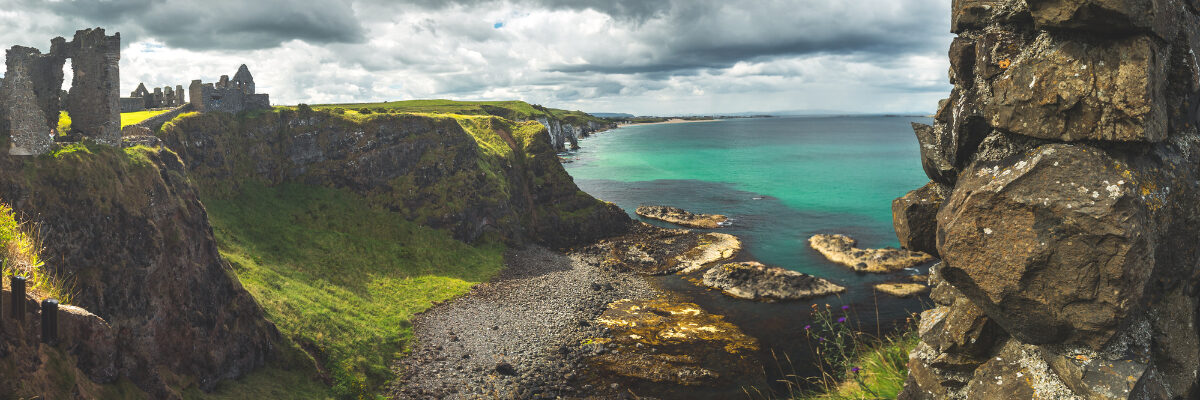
(32,95)
(227,95)
(143,99)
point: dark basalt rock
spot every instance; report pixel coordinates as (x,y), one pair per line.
(937,166)
(914,216)
(1073,90)
(1108,16)
(961,328)
(1041,222)
(1069,148)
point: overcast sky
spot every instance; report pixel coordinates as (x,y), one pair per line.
(653,57)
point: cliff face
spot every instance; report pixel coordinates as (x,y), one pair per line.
(565,134)
(469,175)
(1065,202)
(127,228)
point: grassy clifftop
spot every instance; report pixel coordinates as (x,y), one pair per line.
(513,110)
(471,175)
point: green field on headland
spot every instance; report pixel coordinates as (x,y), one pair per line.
(129,118)
(513,110)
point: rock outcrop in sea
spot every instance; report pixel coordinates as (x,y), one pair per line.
(1068,154)
(681,217)
(901,289)
(844,250)
(651,250)
(752,280)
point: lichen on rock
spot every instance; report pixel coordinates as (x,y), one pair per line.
(901,289)
(754,281)
(843,250)
(660,340)
(651,250)
(679,216)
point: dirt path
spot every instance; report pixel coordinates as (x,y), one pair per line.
(518,336)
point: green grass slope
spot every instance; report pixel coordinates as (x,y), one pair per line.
(129,118)
(341,280)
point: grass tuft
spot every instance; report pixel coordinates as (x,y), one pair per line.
(853,364)
(20,246)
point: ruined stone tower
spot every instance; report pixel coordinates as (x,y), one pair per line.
(93,100)
(32,91)
(227,95)
(1065,204)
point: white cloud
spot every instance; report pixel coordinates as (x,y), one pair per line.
(664,57)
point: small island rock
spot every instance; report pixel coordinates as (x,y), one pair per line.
(681,217)
(754,281)
(841,249)
(901,289)
(652,250)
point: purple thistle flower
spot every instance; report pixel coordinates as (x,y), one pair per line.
(807,327)
(855,369)
(845,307)
(842,319)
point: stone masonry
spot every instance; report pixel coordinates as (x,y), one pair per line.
(231,96)
(1065,204)
(92,102)
(143,99)
(33,96)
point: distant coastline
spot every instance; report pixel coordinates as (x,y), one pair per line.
(669,121)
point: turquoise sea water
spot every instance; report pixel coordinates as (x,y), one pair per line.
(782,180)
(811,175)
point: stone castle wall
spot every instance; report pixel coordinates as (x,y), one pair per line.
(231,96)
(143,99)
(92,102)
(32,91)
(1065,204)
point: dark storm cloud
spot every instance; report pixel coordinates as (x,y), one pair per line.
(702,34)
(621,9)
(706,34)
(218,24)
